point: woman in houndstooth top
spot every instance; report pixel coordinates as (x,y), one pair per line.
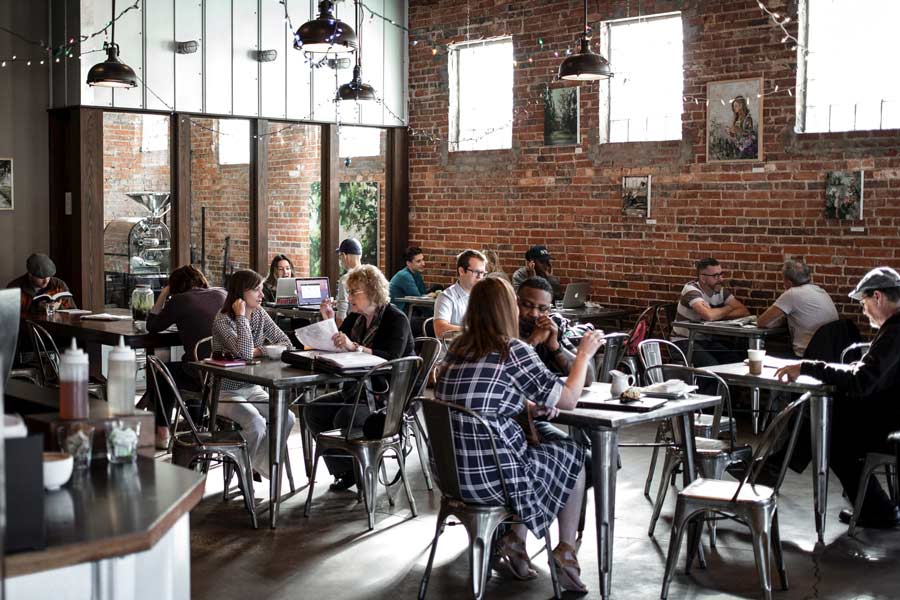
(490,371)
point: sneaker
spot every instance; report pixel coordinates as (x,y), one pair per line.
(888,520)
(162,438)
(343,482)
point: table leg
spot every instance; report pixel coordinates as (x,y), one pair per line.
(604,448)
(409,310)
(690,350)
(756,343)
(305,436)
(820,425)
(278,407)
(683,430)
(214,401)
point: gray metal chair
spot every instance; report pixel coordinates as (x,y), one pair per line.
(480,520)
(754,505)
(47,354)
(194,447)
(613,351)
(429,350)
(368,454)
(10,305)
(713,455)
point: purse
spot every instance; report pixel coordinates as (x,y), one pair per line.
(525,419)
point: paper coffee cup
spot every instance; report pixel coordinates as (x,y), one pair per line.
(755,358)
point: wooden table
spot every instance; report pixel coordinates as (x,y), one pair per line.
(820,407)
(281,380)
(603,429)
(754,335)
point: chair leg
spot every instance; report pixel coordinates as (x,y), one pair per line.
(860,495)
(419,434)
(307,443)
(480,560)
(387,488)
(245,479)
(227,470)
(779,553)
(669,467)
(409,496)
(368,469)
(653,458)
(312,483)
(554,576)
(762,551)
(438,530)
(890,477)
(675,538)
(583,517)
(290,472)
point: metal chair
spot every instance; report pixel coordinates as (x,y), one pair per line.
(861,347)
(47,353)
(10,305)
(665,316)
(195,446)
(368,453)
(613,352)
(713,456)
(754,505)
(480,520)
(429,350)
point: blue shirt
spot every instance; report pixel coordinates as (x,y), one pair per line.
(406,283)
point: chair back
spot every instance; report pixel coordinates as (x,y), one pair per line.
(429,350)
(403,373)
(861,348)
(612,355)
(830,339)
(440,419)
(651,354)
(203,348)
(428,327)
(10,304)
(47,353)
(768,445)
(691,375)
(643,328)
(665,316)
(159,372)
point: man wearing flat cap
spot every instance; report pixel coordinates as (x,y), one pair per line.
(538,263)
(39,281)
(867,407)
(349,257)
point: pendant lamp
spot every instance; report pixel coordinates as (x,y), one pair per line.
(325,33)
(112,72)
(356,89)
(585,65)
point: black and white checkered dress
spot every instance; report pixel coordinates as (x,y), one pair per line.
(538,478)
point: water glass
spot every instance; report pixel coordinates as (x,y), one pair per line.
(122,437)
(77,439)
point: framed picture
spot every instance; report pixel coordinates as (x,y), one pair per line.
(636,196)
(561,117)
(734,120)
(6,184)
(844,195)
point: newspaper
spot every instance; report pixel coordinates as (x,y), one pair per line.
(318,336)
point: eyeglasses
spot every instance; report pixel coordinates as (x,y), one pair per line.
(719,275)
(354,292)
(541,308)
(476,273)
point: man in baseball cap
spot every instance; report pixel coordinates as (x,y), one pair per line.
(349,257)
(538,263)
(38,285)
(866,408)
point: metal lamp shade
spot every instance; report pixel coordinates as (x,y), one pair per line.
(356,89)
(584,66)
(112,72)
(325,33)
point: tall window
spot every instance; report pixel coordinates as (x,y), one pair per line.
(845,80)
(481,95)
(644,99)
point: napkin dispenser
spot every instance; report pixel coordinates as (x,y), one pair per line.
(24,483)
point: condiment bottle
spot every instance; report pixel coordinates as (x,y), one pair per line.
(73,383)
(120,382)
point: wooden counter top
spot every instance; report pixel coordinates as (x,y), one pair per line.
(111,510)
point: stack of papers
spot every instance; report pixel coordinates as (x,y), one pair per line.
(343,360)
(672,388)
(748,321)
(73,311)
(318,336)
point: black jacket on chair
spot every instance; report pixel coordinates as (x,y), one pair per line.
(830,339)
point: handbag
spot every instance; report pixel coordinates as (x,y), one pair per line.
(525,419)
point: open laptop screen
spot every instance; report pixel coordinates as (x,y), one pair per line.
(312,290)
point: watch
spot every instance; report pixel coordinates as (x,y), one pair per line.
(359,347)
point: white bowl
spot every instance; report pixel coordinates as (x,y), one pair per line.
(57,469)
(273,352)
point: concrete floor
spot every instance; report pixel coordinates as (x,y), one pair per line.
(333,555)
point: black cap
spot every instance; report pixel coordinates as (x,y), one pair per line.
(350,246)
(538,253)
(876,279)
(40,265)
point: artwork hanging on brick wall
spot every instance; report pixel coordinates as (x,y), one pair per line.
(636,196)
(561,116)
(844,195)
(6,184)
(734,120)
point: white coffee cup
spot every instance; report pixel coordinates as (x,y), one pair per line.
(273,351)
(620,382)
(756,358)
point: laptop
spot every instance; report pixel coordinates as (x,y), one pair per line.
(285,291)
(310,291)
(576,294)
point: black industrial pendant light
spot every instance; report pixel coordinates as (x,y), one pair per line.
(112,72)
(356,89)
(585,65)
(325,34)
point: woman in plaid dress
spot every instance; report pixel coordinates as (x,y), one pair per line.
(491,372)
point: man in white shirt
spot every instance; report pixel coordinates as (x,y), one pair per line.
(349,257)
(805,306)
(451,305)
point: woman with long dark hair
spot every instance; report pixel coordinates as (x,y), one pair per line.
(281,266)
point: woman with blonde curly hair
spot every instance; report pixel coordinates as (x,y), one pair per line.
(375,326)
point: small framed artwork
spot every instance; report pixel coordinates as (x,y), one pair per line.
(561,116)
(734,120)
(6,184)
(844,195)
(636,196)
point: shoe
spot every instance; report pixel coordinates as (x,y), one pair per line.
(888,520)
(256,476)
(513,556)
(162,438)
(567,569)
(343,482)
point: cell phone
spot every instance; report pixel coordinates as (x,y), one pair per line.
(254,361)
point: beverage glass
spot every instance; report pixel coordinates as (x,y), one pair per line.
(755,358)
(122,437)
(77,439)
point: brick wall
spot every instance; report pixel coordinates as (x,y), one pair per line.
(750,215)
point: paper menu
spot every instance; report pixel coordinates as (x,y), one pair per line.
(318,336)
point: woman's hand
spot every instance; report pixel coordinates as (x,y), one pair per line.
(326,309)
(343,342)
(788,373)
(239,307)
(547,413)
(590,343)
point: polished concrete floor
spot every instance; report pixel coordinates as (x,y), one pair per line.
(331,554)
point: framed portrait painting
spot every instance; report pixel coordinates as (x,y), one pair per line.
(734,120)
(844,195)
(6,184)
(636,196)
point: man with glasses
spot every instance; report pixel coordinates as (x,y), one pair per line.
(707,300)
(450,307)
